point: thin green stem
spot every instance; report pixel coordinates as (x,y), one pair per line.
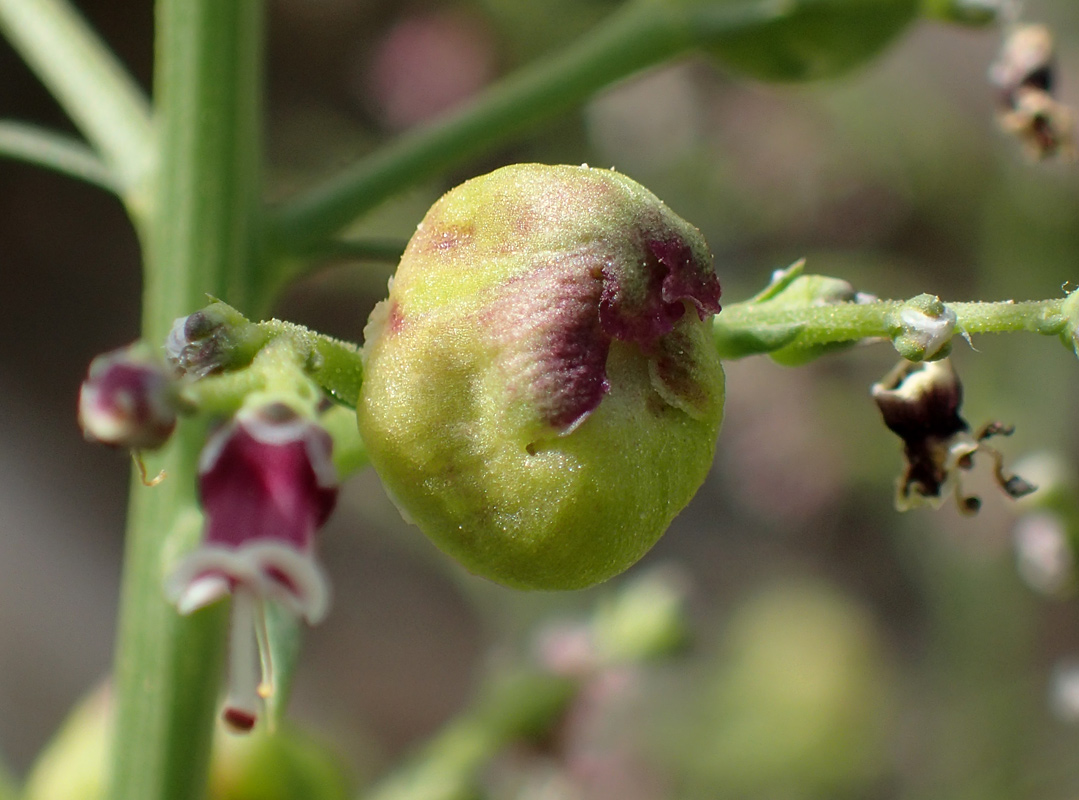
(208,86)
(641,36)
(512,708)
(1036,316)
(200,240)
(335,364)
(349,451)
(358,249)
(750,328)
(57,152)
(89,83)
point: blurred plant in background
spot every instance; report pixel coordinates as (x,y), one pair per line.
(835,647)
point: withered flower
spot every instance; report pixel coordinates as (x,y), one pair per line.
(920,403)
(1024,75)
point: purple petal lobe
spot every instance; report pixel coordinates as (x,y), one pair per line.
(260,481)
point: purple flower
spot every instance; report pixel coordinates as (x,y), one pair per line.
(127,400)
(267,484)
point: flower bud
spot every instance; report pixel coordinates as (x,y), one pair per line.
(127,400)
(923,329)
(541,394)
(212,339)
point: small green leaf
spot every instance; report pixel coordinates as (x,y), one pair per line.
(807,39)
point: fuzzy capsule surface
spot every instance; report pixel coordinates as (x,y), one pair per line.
(541,393)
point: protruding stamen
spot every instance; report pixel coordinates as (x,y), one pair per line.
(262,637)
(242,703)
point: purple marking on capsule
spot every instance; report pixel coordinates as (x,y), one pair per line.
(683,281)
(559,319)
(642,314)
(394,319)
(554,349)
(577,381)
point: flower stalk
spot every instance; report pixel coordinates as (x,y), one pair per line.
(752,328)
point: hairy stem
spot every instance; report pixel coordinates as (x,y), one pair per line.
(752,327)
(200,239)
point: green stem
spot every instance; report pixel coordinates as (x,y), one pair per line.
(1035,316)
(358,249)
(88,81)
(752,327)
(56,151)
(639,37)
(336,364)
(522,705)
(349,451)
(200,240)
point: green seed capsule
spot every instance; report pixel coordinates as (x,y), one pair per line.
(541,393)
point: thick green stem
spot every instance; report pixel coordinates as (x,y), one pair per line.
(199,240)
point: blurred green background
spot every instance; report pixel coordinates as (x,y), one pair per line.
(841,650)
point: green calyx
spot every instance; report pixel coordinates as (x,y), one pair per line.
(541,393)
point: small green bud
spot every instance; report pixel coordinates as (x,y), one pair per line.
(788,290)
(803,40)
(541,393)
(966,12)
(922,329)
(645,619)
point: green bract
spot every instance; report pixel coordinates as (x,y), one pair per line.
(541,395)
